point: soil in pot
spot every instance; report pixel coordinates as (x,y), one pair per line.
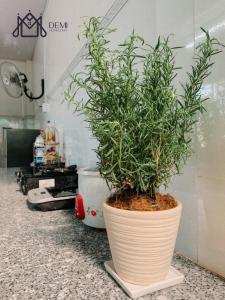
(131,201)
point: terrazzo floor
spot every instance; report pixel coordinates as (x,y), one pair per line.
(51,255)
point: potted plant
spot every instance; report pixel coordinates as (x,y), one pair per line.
(144,128)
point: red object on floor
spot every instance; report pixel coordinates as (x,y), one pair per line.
(79,207)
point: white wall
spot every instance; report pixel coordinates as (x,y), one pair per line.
(201,187)
(210,176)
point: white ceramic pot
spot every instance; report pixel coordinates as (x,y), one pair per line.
(94,191)
(142,242)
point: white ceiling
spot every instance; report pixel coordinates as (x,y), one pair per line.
(18,48)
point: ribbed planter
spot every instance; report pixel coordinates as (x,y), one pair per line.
(142,242)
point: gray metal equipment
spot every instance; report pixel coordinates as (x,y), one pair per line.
(51,199)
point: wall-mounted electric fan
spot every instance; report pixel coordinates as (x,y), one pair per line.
(14,82)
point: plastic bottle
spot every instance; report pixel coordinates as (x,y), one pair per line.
(39,149)
(50,134)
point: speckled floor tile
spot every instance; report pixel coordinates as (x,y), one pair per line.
(51,255)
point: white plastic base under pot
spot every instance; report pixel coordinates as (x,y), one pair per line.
(94,191)
(174,277)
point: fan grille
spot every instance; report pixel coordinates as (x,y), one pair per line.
(11,80)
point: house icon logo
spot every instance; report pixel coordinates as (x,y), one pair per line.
(29,26)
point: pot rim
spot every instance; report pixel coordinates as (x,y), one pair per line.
(88,172)
(145,213)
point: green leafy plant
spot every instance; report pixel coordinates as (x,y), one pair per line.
(142,124)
